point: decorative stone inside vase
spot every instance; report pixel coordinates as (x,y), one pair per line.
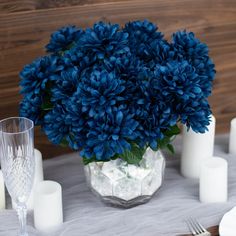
(118,183)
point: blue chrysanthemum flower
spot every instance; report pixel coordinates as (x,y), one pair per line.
(129,68)
(63,39)
(77,120)
(30,107)
(188,47)
(99,91)
(110,135)
(144,37)
(178,81)
(137,78)
(153,122)
(57,127)
(180,84)
(125,66)
(35,76)
(195,114)
(145,103)
(154,115)
(160,53)
(66,84)
(77,58)
(133,72)
(141,33)
(104,41)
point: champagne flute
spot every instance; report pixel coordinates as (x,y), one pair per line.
(17,162)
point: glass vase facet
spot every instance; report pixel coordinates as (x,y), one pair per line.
(124,185)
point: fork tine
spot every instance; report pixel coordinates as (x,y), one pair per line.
(195,226)
(200,226)
(190,227)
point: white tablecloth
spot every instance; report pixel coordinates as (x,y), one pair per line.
(164,215)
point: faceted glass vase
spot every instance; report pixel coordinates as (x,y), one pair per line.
(124,185)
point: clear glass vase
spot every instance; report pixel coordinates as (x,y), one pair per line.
(120,184)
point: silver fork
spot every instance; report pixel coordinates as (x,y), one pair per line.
(196,228)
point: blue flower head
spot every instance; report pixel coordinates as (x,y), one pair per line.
(195,114)
(65,85)
(30,107)
(180,84)
(154,115)
(160,53)
(55,125)
(188,47)
(137,78)
(109,135)
(35,76)
(144,37)
(178,81)
(104,41)
(77,58)
(157,119)
(77,120)
(58,127)
(64,39)
(99,91)
(131,70)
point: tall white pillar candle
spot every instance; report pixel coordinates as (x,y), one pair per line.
(2,192)
(38,177)
(196,147)
(213,180)
(48,213)
(232,137)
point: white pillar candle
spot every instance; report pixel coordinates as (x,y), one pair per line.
(48,213)
(214,180)
(2,192)
(38,177)
(232,137)
(196,147)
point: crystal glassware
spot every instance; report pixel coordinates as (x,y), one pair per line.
(123,185)
(17,162)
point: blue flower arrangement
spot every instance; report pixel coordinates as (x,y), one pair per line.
(111,92)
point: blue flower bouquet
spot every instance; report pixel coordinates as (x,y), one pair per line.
(111,92)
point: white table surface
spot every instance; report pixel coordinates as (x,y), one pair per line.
(164,215)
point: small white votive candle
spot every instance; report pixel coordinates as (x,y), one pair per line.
(196,148)
(48,212)
(38,177)
(232,137)
(2,192)
(213,180)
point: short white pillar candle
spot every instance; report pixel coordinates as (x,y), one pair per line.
(213,185)
(196,147)
(38,177)
(48,212)
(232,137)
(2,192)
